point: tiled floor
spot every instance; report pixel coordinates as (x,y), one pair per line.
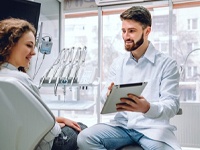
(188,148)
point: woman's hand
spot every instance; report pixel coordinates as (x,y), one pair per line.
(67,122)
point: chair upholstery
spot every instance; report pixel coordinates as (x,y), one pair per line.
(25,120)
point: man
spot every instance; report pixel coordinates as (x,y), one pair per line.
(145,120)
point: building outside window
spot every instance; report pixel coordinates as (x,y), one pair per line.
(191,71)
(192,24)
(192,45)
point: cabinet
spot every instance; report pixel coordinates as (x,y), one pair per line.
(68,78)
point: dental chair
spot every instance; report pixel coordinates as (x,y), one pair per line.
(24,118)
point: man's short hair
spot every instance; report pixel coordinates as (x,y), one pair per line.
(139,14)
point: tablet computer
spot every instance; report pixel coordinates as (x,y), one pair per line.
(119,91)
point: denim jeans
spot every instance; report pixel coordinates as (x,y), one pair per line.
(106,137)
(67,139)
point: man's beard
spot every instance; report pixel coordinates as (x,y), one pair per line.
(135,45)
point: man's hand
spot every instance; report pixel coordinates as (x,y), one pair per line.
(133,103)
(110,88)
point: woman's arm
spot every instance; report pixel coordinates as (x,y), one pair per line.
(67,122)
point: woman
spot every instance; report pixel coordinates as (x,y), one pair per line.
(17,44)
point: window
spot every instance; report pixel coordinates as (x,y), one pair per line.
(191,71)
(161,22)
(191,95)
(172,33)
(81,29)
(192,24)
(192,45)
(162,46)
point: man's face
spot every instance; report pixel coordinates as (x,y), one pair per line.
(133,34)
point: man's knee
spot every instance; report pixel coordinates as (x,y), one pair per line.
(81,138)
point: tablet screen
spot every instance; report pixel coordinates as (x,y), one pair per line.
(119,91)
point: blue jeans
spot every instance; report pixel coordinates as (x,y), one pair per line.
(106,137)
(67,139)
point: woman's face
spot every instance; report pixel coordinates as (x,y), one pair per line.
(23,50)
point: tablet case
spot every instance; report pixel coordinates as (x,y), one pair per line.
(119,91)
